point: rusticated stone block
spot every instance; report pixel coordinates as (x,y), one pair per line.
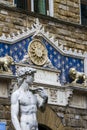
(2,18)
(1,107)
(8,115)
(6,30)
(84,117)
(18,22)
(69,116)
(70,10)
(73,122)
(2,116)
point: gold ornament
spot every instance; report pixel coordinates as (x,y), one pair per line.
(76,75)
(5,63)
(37,53)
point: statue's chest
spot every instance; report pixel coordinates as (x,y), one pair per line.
(27,98)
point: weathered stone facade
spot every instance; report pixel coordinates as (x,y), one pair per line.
(65,27)
(71,35)
(67,10)
(5,113)
(72,117)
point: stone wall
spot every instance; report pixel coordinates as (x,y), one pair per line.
(11,22)
(67,10)
(7,2)
(72,117)
(5,115)
(70,35)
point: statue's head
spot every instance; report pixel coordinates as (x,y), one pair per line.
(23,71)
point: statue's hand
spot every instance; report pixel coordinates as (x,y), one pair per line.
(42,93)
(40,89)
(36,90)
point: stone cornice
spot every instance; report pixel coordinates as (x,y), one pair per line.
(7,76)
(38,30)
(77,88)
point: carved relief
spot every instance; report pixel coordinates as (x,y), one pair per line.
(59,96)
(53,95)
(78,101)
(37,53)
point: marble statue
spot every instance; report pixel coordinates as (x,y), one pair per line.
(25,101)
(5,63)
(76,76)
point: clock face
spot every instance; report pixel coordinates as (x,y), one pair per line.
(37,53)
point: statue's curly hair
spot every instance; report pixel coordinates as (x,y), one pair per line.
(22,71)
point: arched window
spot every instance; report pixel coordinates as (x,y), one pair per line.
(44,7)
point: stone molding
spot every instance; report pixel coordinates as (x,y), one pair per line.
(59,95)
(37,29)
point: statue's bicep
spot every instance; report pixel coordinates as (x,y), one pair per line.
(14,98)
(14,105)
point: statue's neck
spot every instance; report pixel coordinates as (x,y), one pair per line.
(25,86)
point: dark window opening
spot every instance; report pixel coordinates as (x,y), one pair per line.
(43,127)
(36,6)
(84,12)
(22,4)
(40,6)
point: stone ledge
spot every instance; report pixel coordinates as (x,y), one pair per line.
(77,87)
(7,76)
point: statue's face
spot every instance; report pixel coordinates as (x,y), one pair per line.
(30,79)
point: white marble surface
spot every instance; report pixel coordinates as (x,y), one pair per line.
(47,77)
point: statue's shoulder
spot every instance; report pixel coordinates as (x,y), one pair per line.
(15,95)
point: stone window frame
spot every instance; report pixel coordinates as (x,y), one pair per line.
(50,12)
